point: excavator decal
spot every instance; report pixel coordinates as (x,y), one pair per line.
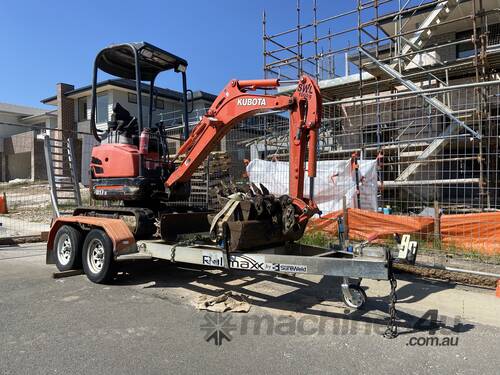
(251,101)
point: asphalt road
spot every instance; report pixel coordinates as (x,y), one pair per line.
(145,323)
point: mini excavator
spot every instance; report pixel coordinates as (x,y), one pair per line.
(254,231)
(132,162)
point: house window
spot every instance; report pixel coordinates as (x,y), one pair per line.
(494,34)
(132,98)
(160,104)
(466,48)
(40,129)
(102,108)
(82,109)
(145,101)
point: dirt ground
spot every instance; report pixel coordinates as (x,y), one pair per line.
(32,199)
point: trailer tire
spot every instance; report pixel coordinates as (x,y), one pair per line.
(68,248)
(97,256)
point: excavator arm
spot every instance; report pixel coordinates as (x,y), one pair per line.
(237,102)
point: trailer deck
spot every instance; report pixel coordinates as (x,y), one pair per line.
(372,263)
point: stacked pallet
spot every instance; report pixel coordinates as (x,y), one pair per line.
(214,170)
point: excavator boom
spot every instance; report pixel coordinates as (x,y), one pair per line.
(237,102)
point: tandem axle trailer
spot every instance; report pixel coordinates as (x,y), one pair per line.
(96,243)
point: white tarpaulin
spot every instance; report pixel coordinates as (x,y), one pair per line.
(334,180)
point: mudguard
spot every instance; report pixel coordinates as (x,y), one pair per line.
(116,229)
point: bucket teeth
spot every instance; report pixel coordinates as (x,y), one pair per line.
(263,189)
(274,218)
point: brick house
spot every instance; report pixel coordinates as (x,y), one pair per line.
(21,141)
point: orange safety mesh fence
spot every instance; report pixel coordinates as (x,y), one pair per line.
(478,232)
(363,223)
(326,223)
(467,232)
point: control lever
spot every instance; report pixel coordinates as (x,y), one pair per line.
(358,249)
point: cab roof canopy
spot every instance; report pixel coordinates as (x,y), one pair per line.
(119,60)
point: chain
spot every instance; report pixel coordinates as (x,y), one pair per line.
(172,253)
(183,243)
(392,329)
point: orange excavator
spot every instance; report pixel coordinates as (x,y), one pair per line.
(132,163)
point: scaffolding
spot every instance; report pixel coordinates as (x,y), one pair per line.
(411,99)
(412,84)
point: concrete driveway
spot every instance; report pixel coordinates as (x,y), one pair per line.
(146,323)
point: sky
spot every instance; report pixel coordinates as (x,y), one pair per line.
(51,41)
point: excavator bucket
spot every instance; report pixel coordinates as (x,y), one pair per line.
(255,234)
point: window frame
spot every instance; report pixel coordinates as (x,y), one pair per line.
(466,48)
(105,94)
(159,100)
(132,97)
(83,112)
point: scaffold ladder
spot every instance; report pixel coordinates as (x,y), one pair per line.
(439,142)
(424,30)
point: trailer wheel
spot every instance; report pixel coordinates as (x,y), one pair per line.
(97,256)
(68,248)
(357,297)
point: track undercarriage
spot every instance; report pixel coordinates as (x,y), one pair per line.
(250,218)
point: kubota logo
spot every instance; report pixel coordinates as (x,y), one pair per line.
(251,101)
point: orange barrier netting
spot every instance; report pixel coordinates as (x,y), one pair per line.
(476,232)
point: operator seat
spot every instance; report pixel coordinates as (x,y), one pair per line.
(123,122)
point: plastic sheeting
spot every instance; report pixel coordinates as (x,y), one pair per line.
(335,179)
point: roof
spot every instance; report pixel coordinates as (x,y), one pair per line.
(21,109)
(130,85)
(203,95)
(51,113)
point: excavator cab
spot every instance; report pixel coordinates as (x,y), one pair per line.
(131,161)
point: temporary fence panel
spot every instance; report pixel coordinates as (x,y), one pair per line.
(463,233)
(24,176)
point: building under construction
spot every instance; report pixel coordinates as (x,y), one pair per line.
(411,95)
(412,84)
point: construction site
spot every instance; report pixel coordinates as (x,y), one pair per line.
(418,92)
(410,99)
(410,91)
(352,188)
(409,129)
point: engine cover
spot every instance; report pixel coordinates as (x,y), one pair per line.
(115,160)
(126,188)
